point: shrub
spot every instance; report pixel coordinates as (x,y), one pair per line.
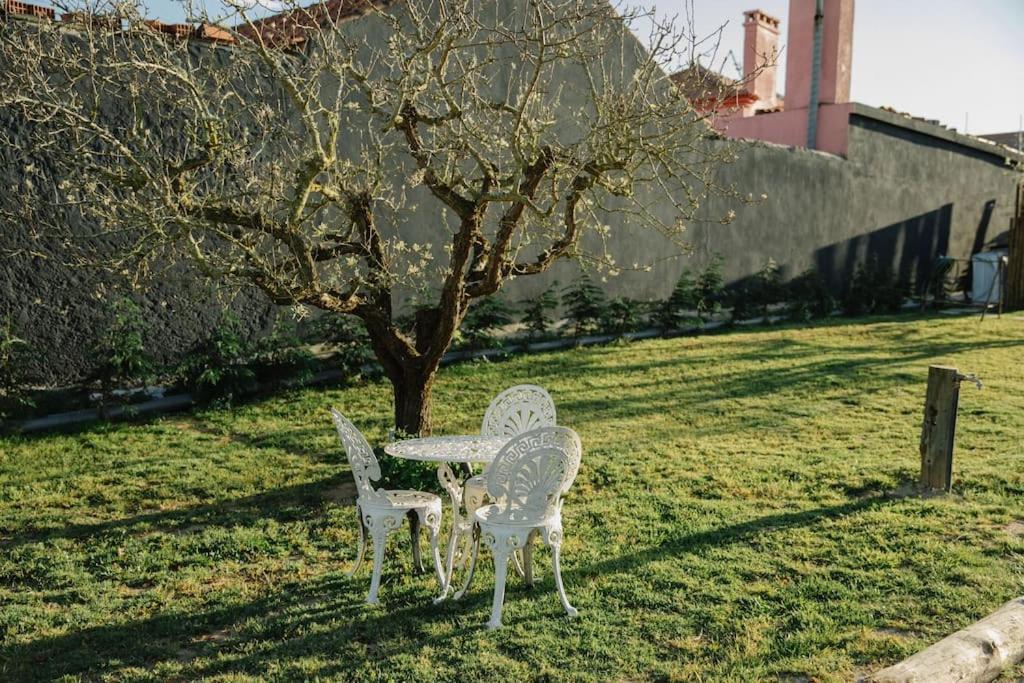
(769,286)
(485,317)
(282,355)
(584,304)
(345,338)
(217,368)
(745,301)
(622,315)
(674,313)
(402,474)
(710,288)
(809,297)
(873,290)
(120,350)
(15,397)
(537,312)
(755,297)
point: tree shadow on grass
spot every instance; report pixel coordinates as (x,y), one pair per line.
(325,620)
(285,504)
(850,372)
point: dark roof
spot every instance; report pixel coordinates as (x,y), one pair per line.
(698,82)
(292,27)
(1014,139)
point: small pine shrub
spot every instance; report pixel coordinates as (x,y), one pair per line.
(809,297)
(745,302)
(622,316)
(584,304)
(710,288)
(769,286)
(674,313)
(873,289)
(485,317)
(537,313)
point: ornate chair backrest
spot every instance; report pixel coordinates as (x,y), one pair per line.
(517,410)
(365,468)
(532,472)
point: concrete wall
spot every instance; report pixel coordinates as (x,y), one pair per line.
(906,193)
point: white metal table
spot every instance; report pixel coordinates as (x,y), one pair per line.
(445,451)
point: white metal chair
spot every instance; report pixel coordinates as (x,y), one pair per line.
(514,411)
(528,479)
(381,511)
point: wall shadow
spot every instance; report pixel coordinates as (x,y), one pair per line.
(909,247)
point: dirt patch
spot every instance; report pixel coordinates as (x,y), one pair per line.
(893,633)
(1015,528)
(191,651)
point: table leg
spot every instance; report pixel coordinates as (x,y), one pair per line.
(451,484)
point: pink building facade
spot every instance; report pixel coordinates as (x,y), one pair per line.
(764,114)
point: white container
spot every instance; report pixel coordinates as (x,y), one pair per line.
(986,281)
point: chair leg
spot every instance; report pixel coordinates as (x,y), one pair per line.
(501,557)
(556,552)
(528,561)
(431,519)
(466,552)
(361,552)
(472,564)
(414,535)
(380,537)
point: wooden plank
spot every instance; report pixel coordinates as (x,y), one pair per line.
(976,654)
(939,427)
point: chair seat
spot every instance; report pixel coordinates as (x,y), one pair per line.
(406,500)
(485,515)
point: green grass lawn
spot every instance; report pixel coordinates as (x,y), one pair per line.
(734,519)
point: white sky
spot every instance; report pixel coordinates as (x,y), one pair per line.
(938,59)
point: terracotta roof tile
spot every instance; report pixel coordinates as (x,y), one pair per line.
(292,27)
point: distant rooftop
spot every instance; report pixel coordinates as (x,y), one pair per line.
(1014,140)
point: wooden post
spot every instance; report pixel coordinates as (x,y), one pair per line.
(1015,272)
(939,427)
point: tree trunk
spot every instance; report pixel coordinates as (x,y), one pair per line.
(412,401)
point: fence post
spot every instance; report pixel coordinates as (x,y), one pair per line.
(1015,272)
(939,427)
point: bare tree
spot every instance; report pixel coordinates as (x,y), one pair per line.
(345,156)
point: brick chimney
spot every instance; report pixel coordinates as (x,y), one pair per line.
(760,51)
(836,52)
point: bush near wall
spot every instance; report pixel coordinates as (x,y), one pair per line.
(226,367)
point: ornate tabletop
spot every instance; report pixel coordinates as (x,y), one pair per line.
(448,448)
